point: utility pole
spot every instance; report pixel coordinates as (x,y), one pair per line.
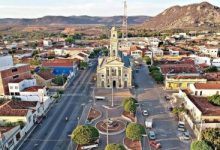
(107,125)
(112,96)
(125,22)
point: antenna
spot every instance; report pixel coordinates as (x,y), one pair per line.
(125,22)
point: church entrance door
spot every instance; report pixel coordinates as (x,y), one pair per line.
(114,84)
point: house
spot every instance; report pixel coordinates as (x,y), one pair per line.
(182,81)
(28,90)
(47,43)
(6,60)
(216,62)
(205,89)
(200,113)
(173,52)
(62,66)
(212,77)
(212,51)
(156,51)
(137,52)
(152,41)
(11,73)
(201,60)
(59,52)
(177,68)
(21,111)
(44,78)
(9,136)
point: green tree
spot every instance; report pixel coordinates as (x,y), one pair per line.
(153,68)
(128,99)
(70,40)
(215,100)
(115,147)
(212,137)
(85,135)
(147,60)
(35,62)
(59,80)
(130,106)
(200,145)
(134,131)
(83,64)
(212,69)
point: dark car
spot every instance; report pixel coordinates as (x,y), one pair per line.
(154,144)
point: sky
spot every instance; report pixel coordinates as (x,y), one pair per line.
(40,8)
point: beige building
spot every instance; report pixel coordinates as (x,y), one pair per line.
(114,71)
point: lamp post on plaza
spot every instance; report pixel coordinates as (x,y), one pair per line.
(112,95)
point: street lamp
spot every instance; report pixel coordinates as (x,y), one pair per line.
(112,95)
(107,138)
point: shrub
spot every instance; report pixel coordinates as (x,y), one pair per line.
(128,99)
(212,137)
(130,106)
(200,145)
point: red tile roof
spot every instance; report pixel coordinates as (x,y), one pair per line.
(187,77)
(33,89)
(178,68)
(203,105)
(207,86)
(16,108)
(4,130)
(58,63)
(46,75)
(215,76)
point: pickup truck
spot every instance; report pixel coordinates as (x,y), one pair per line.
(149,123)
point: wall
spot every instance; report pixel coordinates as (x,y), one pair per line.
(205,92)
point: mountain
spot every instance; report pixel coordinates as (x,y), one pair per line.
(73,20)
(197,15)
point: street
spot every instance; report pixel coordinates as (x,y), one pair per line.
(53,133)
(151,98)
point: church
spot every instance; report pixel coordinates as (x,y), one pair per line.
(114,71)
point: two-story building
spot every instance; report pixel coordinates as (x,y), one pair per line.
(205,89)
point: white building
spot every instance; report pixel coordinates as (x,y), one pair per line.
(156,51)
(216,62)
(201,60)
(27,90)
(152,41)
(212,51)
(6,61)
(60,52)
(47,43)
(9,137)
(205,89)
(174,52)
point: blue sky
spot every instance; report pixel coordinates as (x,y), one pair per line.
(39,8)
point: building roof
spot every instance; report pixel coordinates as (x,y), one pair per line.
(186,77)
(215,76)
(46,75)
(203,105)
(33,88)
(178,68)
(16,108)
(14,66)
(59,63)
(207,86)
(4,129)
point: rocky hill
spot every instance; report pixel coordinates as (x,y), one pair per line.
(190,16)
(73,20)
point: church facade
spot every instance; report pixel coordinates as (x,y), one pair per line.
(114,71)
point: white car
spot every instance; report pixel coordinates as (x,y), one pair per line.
(186,135)
(181,126)
(145,113)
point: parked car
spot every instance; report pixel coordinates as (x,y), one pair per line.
(145,113)
(181,126)
(152,135)
(186,135)
(149,123)
(167,98)
(154,144)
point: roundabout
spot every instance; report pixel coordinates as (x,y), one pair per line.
(111,126)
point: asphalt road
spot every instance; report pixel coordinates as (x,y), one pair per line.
(53,133)
(151,97)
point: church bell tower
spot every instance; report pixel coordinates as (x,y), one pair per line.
(114,43)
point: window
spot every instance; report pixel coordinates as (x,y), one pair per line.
(200,93)
(14,69)
(16,76)
(10,143)
(29,119)
(16,87)
(11,87)
(18,136)
(196,92)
